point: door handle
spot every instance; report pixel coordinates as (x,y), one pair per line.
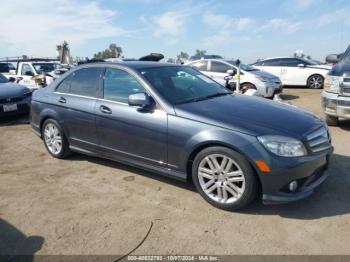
(105,110)
(62,100)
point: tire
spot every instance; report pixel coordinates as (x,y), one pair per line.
(315,82)
(54,139)
(247,86)
(245,181)
(331,120)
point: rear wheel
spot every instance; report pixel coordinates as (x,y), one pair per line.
(331,120)
(224,178)
(54,139)
(315,82)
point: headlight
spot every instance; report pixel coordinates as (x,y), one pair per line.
(283,146)
(261,78)
(331,84)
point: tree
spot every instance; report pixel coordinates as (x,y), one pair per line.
(182,57)
(200,52)
(113,51)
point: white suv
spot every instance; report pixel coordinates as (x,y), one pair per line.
(266,84)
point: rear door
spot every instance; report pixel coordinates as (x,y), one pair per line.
(272,66)
(133,132)
(75,100)
(291,74)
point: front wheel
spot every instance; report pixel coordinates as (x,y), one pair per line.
(315,82)
(224,178)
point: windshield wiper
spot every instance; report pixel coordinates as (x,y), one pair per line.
(203,98)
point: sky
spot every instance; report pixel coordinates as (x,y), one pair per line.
(244,29)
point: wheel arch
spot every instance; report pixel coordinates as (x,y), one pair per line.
(208,144)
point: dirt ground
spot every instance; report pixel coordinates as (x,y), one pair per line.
(86,205)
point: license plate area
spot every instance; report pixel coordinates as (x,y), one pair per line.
(10,108)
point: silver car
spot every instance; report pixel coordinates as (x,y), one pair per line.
(266,84)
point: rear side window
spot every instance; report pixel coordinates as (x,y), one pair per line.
(64,86)
(290,62)
(272,62)
(200,66)
(119,85)
(219,67)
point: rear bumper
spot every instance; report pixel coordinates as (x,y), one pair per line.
(22,108)
(336,105)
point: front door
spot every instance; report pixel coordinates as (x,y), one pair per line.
(132,132)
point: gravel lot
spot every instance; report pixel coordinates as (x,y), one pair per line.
(86,205)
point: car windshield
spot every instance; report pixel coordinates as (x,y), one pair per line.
(181,84)
(3,79)
(44,67)
(244,67)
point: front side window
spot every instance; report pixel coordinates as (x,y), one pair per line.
(200,66)
(27,70)
(119,85)
(346,56)
(44,67)
(182,84)
(219,67)
(272,62)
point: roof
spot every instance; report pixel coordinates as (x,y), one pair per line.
(133,64)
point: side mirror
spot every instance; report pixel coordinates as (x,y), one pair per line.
(12,79)
(301,65)
(227,78)
(231,72)
(332,59)
(140,99)
(29,73)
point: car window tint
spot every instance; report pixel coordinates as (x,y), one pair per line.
(25,69)
(290,62)
(272,62)
(85,82)
(219,67)
(119,85)
(200,65)
(64,86)
(4,68)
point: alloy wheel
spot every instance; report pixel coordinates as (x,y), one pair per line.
(53,139)
(221,178)
(316,82)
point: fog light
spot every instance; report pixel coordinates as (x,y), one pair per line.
(293,186)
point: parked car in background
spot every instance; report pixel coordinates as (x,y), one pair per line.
(197,57)
(176,121)
(266,84)
(295,71)
(14,98)
(27,72)
(336,94)
(6,67)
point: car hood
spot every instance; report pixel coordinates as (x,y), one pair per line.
(251,115)
(12,90)
(263,74)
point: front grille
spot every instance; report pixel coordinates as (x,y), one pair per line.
(346,91)
(319,140)
(343,103)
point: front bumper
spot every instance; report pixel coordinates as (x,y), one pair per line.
(309,172)
(336,105)
(269,89)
